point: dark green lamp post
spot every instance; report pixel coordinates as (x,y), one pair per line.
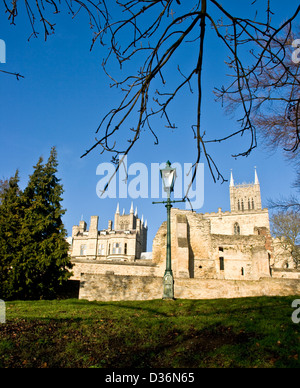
(168,175)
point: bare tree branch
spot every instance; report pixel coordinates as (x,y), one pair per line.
(263,83)
(286,228)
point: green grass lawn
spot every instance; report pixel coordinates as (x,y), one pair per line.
(248,332)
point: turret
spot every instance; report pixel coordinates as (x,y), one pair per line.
(246,196)
(117,217)
(93,231)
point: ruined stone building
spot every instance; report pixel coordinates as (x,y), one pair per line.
(234,244)
(231,246)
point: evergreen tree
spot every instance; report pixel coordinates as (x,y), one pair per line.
(43,259)
(34,260)
(11,213)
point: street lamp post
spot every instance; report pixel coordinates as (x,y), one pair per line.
(168,175)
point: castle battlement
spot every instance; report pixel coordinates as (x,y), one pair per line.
(125,241)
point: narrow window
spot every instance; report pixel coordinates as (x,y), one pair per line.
(119,248)
(222,266)
(239,205)
(237,229)
(243,208)
(82,250)
(287,265)
(249,204)
(252,204)
(125,249)
(101,249)
(242,271)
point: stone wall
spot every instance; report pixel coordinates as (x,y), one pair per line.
(159,244)
(103,267)
(282,257)
(106,239)
(120,287)
(223,222)
(196,251)
(245,257)
(116,288)
(286,273)
(218,289)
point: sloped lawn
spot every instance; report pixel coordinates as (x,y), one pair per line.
(248,332)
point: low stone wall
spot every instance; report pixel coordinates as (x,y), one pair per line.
(286,273)
(137,268)
(218,289)
(119,287)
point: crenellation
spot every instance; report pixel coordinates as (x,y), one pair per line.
(125,242)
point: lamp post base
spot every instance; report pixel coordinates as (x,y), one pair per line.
(168,285)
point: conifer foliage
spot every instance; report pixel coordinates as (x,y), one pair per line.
(34,260)
(10,221)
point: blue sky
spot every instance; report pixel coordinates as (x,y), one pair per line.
(65,94)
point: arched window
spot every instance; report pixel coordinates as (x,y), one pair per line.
(243,208)
(237,229)
(239,205)
(249,204)
(252,204)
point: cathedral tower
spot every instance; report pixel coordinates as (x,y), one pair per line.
(246,196)
(125,221)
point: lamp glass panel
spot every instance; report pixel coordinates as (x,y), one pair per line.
(168,177)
